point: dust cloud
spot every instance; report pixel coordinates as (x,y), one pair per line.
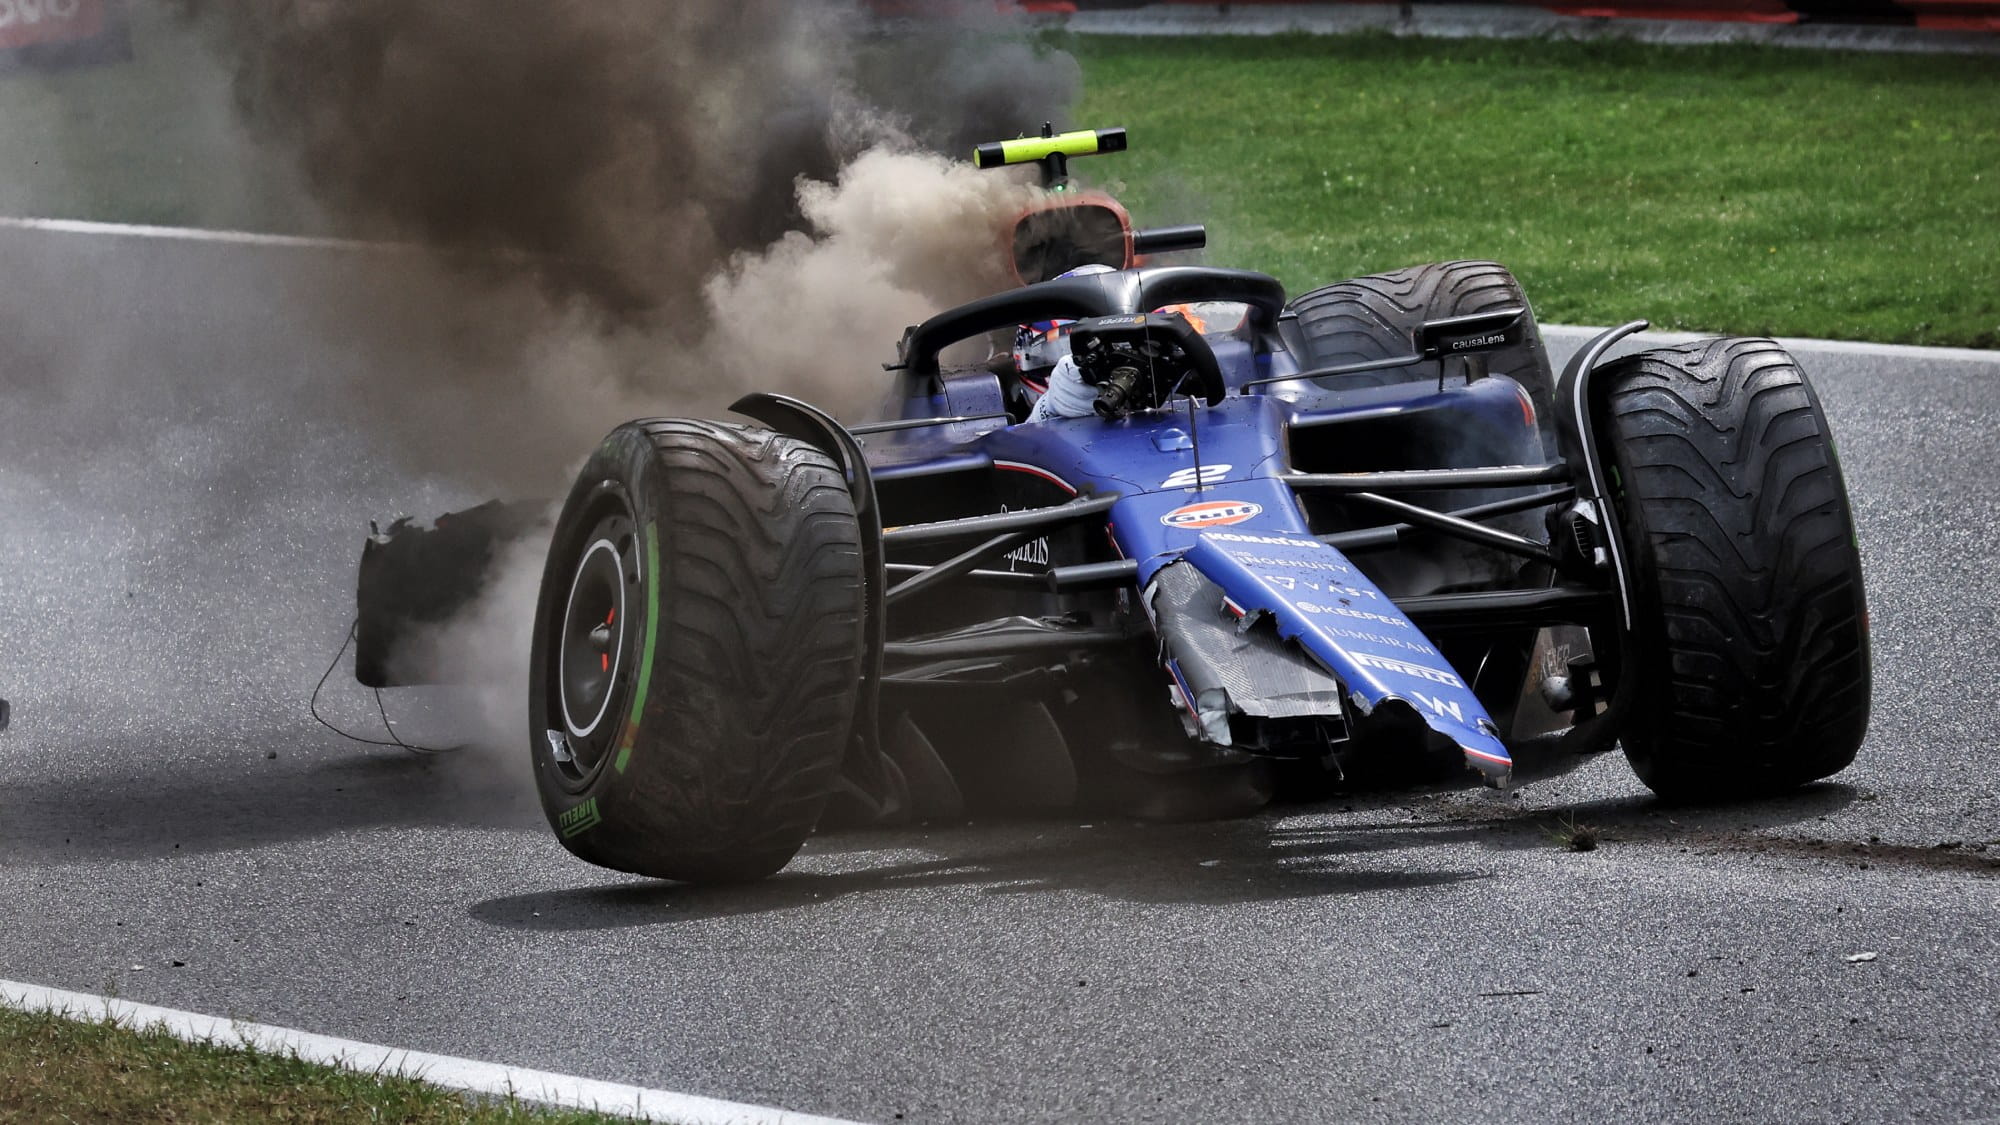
(637,207)
(575,212)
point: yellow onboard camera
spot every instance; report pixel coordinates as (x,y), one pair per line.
(1051,150)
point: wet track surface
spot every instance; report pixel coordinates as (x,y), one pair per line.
(1435,956)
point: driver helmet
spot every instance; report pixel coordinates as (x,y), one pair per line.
(1041,345)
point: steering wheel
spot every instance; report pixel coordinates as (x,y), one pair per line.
(1139,360)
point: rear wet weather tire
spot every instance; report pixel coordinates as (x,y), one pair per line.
(1375,317)
(696,651)
(1750,619)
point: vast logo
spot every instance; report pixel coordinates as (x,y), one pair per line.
(1211,513)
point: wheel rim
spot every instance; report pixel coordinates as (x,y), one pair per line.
(591,672)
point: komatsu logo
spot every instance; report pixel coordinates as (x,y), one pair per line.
(1405,668)
(1267,540)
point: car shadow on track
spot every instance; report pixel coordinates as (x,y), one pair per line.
(227,795)
(1304,852)
(1212,865)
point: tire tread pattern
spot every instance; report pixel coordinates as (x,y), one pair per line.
(1372,317)
(755,669)
(1749,578)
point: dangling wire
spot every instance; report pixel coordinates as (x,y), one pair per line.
(353,627)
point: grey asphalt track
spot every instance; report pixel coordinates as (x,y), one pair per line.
(172,581)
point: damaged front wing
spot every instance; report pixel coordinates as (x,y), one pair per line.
(415,577)
(1330,609)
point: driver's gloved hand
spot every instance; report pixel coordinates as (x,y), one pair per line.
(1068,395)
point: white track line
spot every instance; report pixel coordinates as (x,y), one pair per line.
(299,242)
(196,234)
(468,1075)
(1578,335)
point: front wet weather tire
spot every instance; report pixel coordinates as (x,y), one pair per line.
(697,646)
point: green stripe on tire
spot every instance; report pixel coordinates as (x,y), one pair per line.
(646,657)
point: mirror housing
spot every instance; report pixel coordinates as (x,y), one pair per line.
(1471,334)
(1067,232)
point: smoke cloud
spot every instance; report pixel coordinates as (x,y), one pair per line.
(637,207)
(628,146)
(590,210)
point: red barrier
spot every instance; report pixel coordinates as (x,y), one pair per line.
(1752,11)
(29,23)
(1956,15)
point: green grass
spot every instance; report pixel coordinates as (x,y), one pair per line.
(1571,836)
(1728,189)
(55,1069)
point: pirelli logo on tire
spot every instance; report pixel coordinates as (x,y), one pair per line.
(579,818)
(1211,513)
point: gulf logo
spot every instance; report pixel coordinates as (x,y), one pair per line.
(1211,513)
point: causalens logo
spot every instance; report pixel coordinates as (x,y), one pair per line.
(1211,513)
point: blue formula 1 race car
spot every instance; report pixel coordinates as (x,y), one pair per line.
(1360,536)
(1363,536)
